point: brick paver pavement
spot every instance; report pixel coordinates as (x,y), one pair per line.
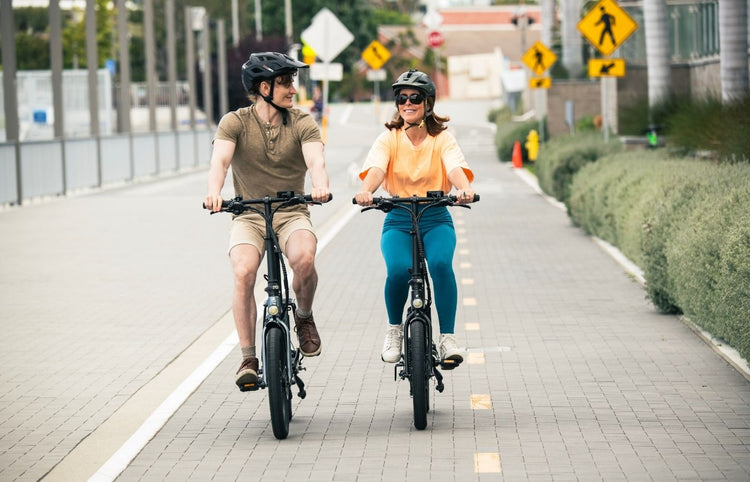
(571,374)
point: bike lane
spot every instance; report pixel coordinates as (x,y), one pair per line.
(570,374)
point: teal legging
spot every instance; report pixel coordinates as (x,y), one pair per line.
(439,238)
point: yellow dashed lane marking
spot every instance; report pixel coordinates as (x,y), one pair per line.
(471,327)
(486,462)
(465,265)
(463,251)
(470,302)
(481,402)
(467,281)
(460,230)
(475,358)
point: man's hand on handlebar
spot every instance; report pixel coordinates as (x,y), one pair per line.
(212,202)
(320,194)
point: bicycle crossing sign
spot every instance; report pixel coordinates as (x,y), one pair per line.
(606,67)
(376,55)
(607,26)
(539,58)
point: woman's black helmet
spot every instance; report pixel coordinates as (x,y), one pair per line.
(415,79)
(266,66)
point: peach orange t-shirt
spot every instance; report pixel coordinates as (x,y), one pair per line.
(414,170)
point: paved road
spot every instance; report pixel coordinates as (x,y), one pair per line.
(114,310)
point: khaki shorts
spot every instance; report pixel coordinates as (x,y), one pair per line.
(251,228)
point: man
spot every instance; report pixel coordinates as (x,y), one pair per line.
(270,146)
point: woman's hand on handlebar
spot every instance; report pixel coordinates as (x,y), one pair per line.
(465,196)
(363,198)
(212,202)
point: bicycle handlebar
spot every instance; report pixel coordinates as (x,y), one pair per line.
(436,197)
(239,205)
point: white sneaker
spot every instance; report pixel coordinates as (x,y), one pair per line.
(394,335)
(450,354)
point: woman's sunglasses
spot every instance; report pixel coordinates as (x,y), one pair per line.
(415,99)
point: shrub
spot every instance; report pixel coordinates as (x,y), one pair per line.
(508,133)
(563,156)
(686,223)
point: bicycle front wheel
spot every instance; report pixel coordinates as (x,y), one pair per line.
(420,365)
(279,391)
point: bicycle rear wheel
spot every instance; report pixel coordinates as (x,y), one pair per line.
(420,373)
(279,391)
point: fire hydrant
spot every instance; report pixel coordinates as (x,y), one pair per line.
(532,145)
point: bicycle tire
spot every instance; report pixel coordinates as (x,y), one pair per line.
(279,392)
(420,374)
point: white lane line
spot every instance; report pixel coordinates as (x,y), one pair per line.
(120,460)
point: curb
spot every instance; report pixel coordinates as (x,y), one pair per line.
(729,354)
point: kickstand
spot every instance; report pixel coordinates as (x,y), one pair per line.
(439,378)
(301,385)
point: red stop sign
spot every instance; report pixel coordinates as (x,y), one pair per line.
(435,38)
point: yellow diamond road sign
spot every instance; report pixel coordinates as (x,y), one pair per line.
(606,67)
(376,55)
(607,26)
(539,58)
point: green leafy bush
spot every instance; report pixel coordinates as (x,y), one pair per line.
(686,223)
(508,133)
(561,157)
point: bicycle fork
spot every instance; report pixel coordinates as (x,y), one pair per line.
(293,357)
(405,363)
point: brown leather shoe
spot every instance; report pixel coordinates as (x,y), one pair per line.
(309,340)
(247,374)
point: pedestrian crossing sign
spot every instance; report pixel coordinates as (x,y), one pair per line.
(376,55)
(607,26)
(606,67)
(539,58)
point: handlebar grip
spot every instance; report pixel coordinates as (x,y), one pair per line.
(308,198)
(476,197)
(223,204)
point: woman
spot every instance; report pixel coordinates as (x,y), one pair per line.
(415,155)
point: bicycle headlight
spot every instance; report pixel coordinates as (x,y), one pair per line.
(417,303)
(273,310)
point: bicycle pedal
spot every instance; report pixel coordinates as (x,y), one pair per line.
(449,364)
(249,387)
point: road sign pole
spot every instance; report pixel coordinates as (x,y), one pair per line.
(324,116)
(605,108)
(376,100)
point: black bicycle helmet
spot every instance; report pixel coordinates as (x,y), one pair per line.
(415,79)
(268,65)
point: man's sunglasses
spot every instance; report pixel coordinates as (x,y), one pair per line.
(415,99)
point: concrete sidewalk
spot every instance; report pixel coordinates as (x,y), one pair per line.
(571,374)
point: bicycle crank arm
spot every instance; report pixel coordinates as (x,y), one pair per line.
(301,385)
(439,379)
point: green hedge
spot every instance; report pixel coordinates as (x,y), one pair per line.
(561,157)
(508,133)
(686,223)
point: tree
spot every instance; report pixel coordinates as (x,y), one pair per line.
(572,53)
(657,50)
(733,49)
(74,35)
